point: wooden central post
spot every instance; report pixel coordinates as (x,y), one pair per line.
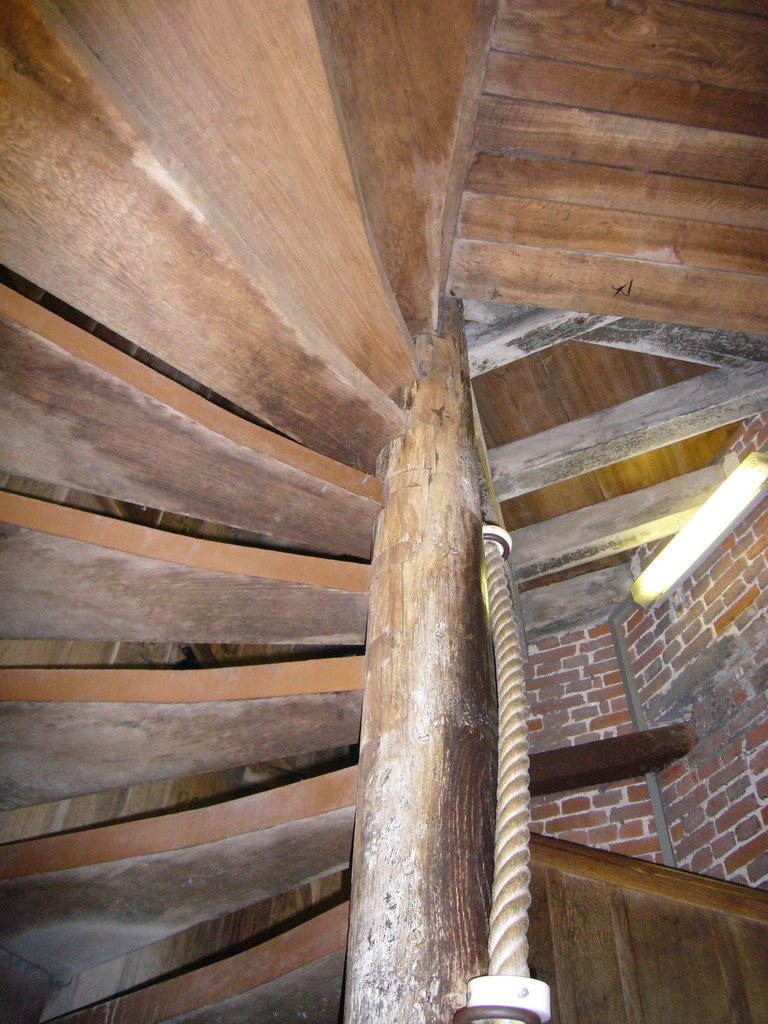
(423,857)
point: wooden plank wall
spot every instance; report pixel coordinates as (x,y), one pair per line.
(620,143)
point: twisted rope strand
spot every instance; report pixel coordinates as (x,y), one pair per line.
(508,941)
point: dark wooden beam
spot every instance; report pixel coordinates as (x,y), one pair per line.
(102,214)
(72,574)
(286,956)
(610,527)
(609,760)
(640,425)
(423,847)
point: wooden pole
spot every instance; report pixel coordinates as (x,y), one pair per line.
(423,856)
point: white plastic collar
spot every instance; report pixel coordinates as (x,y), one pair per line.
(499,536)
(506,990)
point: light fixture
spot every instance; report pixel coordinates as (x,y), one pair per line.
(733,499)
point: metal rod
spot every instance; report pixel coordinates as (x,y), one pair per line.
(640,722)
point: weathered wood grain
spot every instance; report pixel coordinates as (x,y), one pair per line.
(57,750)
(640,425)
(588,136)
(79,422)
(423,847)
(73,919)
(620,91)
(91,215)
(700,345)
(609,760)
(609,527)
(593,229)
(616,188)
(306,944)
(613,285)
(576,603)
(218,86)
(408,81)
(673,40)
(55,587)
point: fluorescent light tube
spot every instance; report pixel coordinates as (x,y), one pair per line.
(736,496)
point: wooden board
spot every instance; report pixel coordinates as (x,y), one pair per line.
(57,750)
(625,92)
(578,603)
(238,93)
(593,229)
(587,136)
(609,760)
(92,216)
(70,920)
(73,412)
(408,79)
(660,38)
(306,944)
(616,188)
(608,284)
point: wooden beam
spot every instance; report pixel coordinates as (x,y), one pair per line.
(57,919)
(545,224)
(521,334)
(78,412)
(60,749)
(92,215)
(423,844)
(124,582)
(190,686)
(596,137)
(614,285)
(619,524)
(617,188)
(662,39)
(184,829)
(519,76)
(306,944)
(408,81)
(577,603)
(609,760)
(640,425)
(645,876)
(278,170)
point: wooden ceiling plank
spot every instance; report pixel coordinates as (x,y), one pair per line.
(124,585)
(408,79)
(289,952)
(614,285)
(609,527)
(595,229)
(190,686)
(56,750)
(673,40)
(577,603)
(609,760)
(625,92)
(586,136)
(69,920)
(69,420)
(159,834)
(640,425)
(178,549)
(92,216)
(617,188)
(239,94)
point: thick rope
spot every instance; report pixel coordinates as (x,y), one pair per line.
(508,942)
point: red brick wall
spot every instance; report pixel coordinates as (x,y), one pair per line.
(716,799)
